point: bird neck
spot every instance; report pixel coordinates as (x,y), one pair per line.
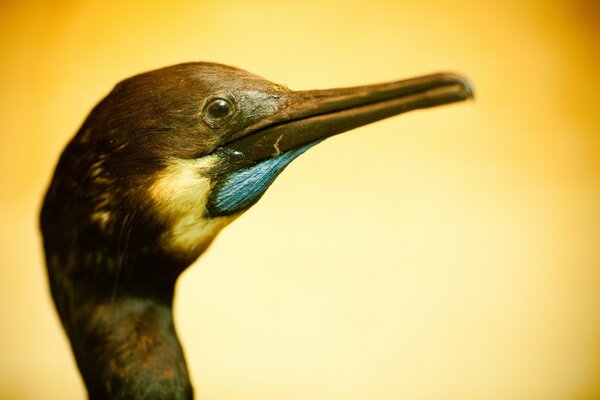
(127,348)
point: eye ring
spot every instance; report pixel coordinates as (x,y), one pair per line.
(217,111)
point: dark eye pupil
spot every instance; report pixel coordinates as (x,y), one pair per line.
(219,108)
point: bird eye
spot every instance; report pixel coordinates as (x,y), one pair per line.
(217,110)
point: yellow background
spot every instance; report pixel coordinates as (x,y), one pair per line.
(444,254)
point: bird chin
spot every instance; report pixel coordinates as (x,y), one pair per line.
(194,207)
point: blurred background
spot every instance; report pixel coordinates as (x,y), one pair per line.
(444,254)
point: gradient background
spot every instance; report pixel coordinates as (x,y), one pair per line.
(443,254)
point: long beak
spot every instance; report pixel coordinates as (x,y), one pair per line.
(317,114)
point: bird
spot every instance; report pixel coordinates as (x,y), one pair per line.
(159,166)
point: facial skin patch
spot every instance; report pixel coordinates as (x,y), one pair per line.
(179,194)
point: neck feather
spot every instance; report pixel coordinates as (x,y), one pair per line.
(127,348)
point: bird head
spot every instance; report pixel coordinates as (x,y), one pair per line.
(171,156)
